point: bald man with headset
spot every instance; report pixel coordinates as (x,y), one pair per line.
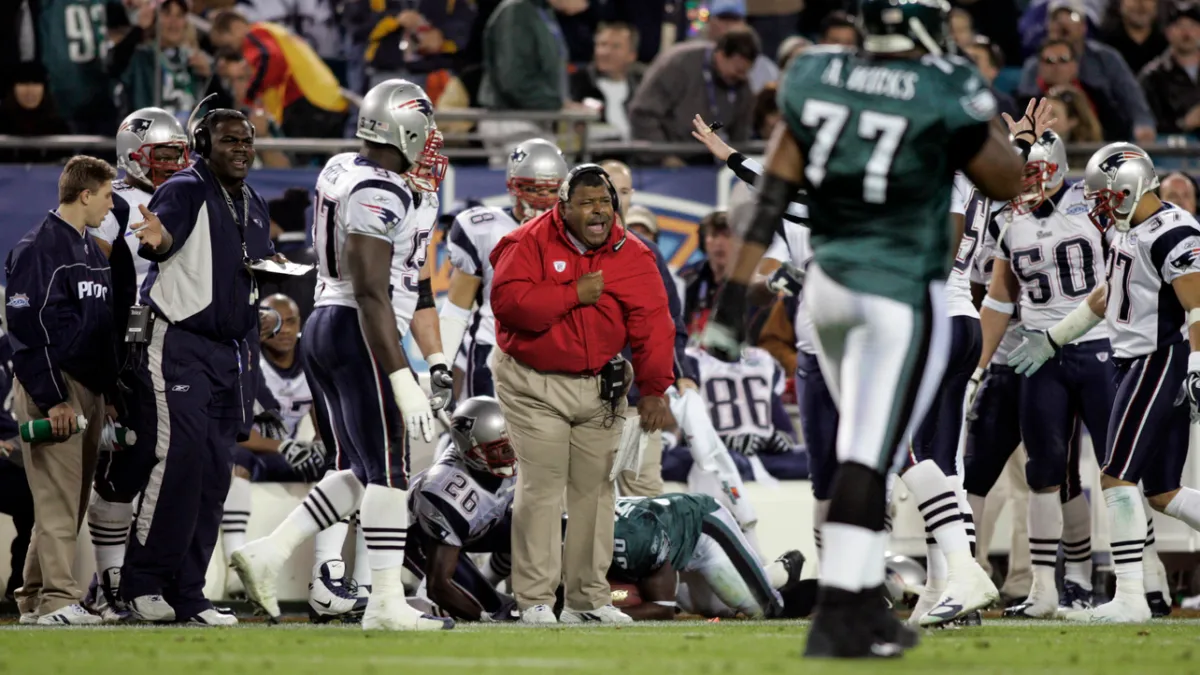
(571,288)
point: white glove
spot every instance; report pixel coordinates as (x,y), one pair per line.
(1036,349)
(973,388)
(787,279)
(414,406)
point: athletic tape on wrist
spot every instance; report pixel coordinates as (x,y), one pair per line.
(997,306)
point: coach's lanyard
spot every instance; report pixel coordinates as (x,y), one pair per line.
(711,88)
(241,228)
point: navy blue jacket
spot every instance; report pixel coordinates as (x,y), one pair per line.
(60,315)
(8,423)
(201,284)
(683,367)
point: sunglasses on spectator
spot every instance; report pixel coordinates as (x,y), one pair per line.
(1052,60)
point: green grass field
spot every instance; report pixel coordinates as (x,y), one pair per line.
(694,648)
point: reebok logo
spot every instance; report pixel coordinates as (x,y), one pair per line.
(91,289)
(181,388)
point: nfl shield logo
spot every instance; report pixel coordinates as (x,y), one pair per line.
(559,265)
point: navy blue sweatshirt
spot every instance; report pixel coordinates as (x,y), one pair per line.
(683,368)
(8,423)
(60,315)
(201,284)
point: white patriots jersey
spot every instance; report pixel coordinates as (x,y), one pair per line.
(958,284)
(793,247)
(451,505)
(1144,314)
(124,214)
(981,208)
(356,196)
(290,389)
(740,395)
(472,237)
(1057,258)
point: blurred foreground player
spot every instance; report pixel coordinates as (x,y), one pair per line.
(376,209)
(876,134)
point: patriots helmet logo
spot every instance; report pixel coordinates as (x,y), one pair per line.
(518,155)
(1113,162)
(1186,259)
(421,104)
(462,424)
(389,217)
(138,127)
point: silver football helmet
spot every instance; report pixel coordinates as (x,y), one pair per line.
(398,113)
(904,579)
(535,170)
(151,145)
(1045,171)
(1116,178)
(481,438)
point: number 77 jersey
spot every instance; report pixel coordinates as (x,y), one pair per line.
(357,196)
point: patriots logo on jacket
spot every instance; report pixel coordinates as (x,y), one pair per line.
(388,216)
(1186,259)
(138,127)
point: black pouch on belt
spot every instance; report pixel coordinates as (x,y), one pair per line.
(613,383)
(140,326)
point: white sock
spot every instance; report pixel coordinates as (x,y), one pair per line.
(935,562)
(845,555)
(334,498)
(1154,577)
(820,513)
(328,544)
(938,504)
(1077,541)
(109,523)
(1185,506)
(236,516)
(1045,533)
(875,566)
(362,564)
(384,515)
(1128,533)
(499,566)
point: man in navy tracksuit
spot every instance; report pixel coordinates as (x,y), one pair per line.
(196,379)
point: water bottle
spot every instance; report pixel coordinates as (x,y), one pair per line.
(40,431)
(115,436)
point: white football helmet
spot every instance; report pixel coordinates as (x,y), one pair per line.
(535,170)
(398,113)
(1045,170)
(1116,178)
(904,579)
(151,145)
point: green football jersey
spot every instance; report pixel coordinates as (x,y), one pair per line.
(179,87)
(72,41)
(881,140)
(650,531)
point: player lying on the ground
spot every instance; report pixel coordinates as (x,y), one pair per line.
(719,574)
(463,503)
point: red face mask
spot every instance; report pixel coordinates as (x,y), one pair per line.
(431,168)
(159,170)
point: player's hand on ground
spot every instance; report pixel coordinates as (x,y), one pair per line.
(655,413)
(441,386)
(787,279)
(1035,349)
(711,140)
(62,420)
(413,404)
(590,287)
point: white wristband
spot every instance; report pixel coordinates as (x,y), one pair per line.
(449,309)
(438,359)
(1079,321)
(1194,362)
(997,306)
(1193,315)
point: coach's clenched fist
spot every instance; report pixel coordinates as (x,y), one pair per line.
(590,287)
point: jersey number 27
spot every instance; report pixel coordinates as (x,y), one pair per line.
(829,119)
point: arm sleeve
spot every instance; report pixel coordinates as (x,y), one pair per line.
(1129,96)
(176,203)
(521,299)
(37,307)
(375,208)
(1176,253)
(960,194)
(464,254)
(519,74)
(651,335)
(747,170)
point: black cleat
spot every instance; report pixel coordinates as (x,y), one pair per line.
(885,625)
(793,562)
(1159,607)
(850,626)
(969,619)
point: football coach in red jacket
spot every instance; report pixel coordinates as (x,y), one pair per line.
(570,291)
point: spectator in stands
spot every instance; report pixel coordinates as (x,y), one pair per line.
(312,20)
(133,61)
(413,39)
(701,279)
(766,111)
(996,20)
(1135,34)
(697,77)
(1076,121)
(962,28)
(1180,189)
(838,29)
(232,84)
(622,181)
(294,86)
(790,49)
(528,72)
(613,75)
(989,60)
(727,15)
(1100,70)
(70,44)
(1170,81)
(29,110)
(774,21)
(643,221)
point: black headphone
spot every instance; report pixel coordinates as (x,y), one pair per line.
(202,136)
(564,189)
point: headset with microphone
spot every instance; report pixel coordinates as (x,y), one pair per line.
(202,131)
(564,189)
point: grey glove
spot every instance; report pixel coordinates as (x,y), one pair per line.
(306,459)
(441,387)
(1036,349)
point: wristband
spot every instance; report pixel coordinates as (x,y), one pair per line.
(1023,147)
(1079,321)
(1193,315)
(1194,362)
(438,359)
(997,306)
(453,311)
(978,374)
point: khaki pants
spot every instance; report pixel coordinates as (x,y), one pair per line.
(1010,489)
(648,482)
(60,478)
(556,424)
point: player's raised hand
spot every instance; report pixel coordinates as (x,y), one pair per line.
(1035,349)
(711,140)
(1043,117)
(1026,125)
(150,230)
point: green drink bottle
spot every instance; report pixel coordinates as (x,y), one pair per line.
(40,431)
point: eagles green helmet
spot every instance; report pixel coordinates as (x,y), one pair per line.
(893,26)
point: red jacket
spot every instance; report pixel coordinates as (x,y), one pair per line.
(541,323)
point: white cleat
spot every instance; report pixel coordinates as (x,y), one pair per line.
(1124,608)
(152,608)
(258,564)
(29,619)
(538,614)
(605,614)
(968,590)
(213,618)
(392,612)
(71,615)
(331,595)
(1034,607)
(930,596)
(234,589)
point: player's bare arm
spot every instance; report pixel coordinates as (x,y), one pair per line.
(104,246)
(369,261)
(456,311)
(658,596)
(425,329)
(463,289)
(997,309)
(439,578)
